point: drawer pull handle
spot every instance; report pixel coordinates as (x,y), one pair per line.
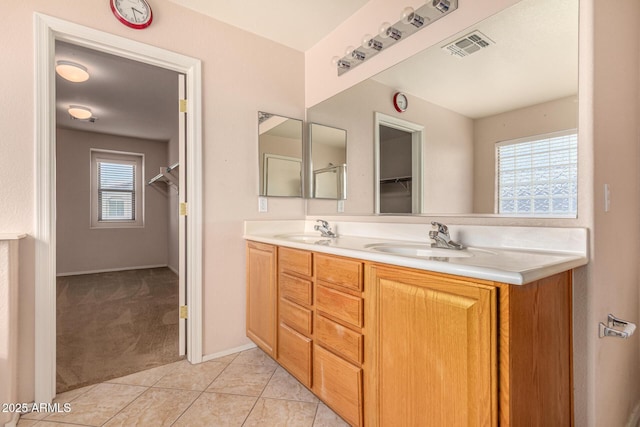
(609,330)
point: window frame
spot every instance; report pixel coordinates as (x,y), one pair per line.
(122,157)
(533,138)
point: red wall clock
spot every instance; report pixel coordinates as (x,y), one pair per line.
(132,13)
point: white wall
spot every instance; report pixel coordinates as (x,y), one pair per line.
(81,248)
(242,74)
(561,114)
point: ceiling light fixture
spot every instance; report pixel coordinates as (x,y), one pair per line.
(79,112)
(390,34)
(71,71)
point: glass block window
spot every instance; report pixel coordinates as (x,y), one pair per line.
(538,175)
(116,189)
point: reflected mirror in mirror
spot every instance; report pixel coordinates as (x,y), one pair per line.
(280,155)
(328,162)
(510,79)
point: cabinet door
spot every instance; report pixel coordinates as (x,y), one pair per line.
(294,353)
(261,296)
(339,384)
(434,350)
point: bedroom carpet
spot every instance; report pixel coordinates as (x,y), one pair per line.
(114,324)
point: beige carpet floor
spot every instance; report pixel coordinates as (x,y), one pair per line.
(114,324)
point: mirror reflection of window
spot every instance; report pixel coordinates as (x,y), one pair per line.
(280,154)
(538,175)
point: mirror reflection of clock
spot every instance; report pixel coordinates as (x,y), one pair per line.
(400,102)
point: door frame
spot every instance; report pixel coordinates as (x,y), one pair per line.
(47,30)
(417,159)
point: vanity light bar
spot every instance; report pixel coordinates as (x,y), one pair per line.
(388,35)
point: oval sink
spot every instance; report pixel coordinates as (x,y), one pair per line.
(420,250)
(303,237)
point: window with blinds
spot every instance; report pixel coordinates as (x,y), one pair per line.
(538,175)
(116,189)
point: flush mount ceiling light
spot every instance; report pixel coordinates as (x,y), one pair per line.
(79,112)
(390,34)
(71,71)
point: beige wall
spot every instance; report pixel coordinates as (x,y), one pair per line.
(241,73)
(448,154)
(538,119)
(614,365)
(81,248)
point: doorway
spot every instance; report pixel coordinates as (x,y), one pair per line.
(118,274)
(49,30)
(398,165)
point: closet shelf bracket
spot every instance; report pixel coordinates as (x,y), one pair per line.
(166,176)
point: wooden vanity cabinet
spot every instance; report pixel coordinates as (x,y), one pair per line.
(261,295)
(295,313)
(338,338)
(386,345)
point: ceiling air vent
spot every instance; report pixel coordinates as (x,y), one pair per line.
(471,43)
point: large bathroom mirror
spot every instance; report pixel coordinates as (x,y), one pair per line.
(510,79)
(328,148)
(280,155)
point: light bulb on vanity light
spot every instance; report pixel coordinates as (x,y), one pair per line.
(336,61)
(386,30)
(409,16)
(441,5)
(368,42)
(352,52)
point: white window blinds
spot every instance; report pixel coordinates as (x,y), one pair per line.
(538,175)
(116,191)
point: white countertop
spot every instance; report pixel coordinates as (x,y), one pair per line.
(514,255)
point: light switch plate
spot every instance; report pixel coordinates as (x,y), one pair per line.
(340,206)
(262,204)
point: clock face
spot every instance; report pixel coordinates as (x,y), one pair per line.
(132,13)
(400,102)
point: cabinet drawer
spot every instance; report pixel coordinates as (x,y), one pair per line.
(340,339)
(294,353)
(347,308)
(339,384)
(339,271)
(296,289)
(295,316)
(296,261)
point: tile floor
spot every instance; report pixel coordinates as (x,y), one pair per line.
(242,389)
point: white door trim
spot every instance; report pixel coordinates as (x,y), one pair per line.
(417,161)
(47,30)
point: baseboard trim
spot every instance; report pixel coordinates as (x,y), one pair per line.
(110,270)
(13,422)
(220,354)
(175,270)
(634,418)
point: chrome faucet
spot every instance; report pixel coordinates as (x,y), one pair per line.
(441,238)
(324,229)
